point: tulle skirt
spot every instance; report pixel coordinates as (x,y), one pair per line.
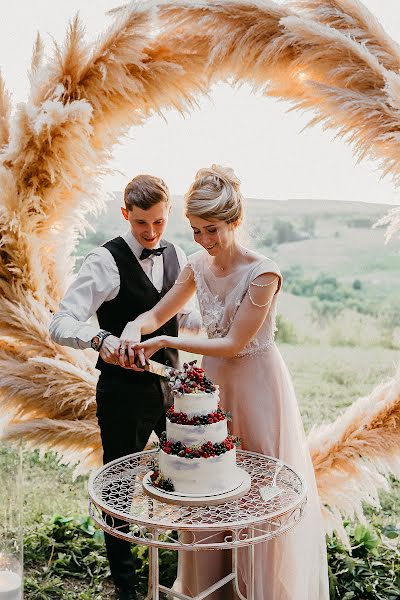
(258,391)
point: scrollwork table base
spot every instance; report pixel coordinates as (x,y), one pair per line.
(116,492)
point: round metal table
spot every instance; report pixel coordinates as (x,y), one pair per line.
(117,498)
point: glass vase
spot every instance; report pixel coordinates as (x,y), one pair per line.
(11,533)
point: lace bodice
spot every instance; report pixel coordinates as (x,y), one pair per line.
(220,298)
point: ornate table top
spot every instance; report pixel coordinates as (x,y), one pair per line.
(116,489)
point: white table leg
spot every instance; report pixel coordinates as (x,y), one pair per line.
(153,592)
(155,581)
(250,568)
(235,573)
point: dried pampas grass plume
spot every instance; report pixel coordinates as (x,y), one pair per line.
(5,111)
(330,57)
(355,20)
(37,57)
(352,92)
(240,40)
(353,455)
(64,436)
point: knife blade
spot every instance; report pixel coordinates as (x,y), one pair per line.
(157,368)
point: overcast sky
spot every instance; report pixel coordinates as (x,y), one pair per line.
(254,135)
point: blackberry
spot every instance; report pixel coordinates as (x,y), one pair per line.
(168,485)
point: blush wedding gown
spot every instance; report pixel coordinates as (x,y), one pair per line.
(256,388)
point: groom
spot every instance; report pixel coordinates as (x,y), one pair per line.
(119,281)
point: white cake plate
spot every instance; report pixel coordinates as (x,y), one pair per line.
(242,486)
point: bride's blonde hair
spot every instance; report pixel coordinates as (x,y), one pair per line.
(215,195)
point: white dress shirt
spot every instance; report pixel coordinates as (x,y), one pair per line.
(98,281)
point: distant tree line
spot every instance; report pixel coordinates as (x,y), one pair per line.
(329,297)
(284,231)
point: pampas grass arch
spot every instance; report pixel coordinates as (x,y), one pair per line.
(330,57)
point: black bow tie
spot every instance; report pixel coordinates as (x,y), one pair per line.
(146,252)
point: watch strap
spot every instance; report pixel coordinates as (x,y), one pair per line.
(102,336)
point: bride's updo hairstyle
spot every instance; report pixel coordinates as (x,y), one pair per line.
(215,195)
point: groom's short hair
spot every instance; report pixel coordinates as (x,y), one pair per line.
(144,191)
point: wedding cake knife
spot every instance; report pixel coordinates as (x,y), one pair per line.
(157,368)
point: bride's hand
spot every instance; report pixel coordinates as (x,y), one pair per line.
(129,337)
(144,350)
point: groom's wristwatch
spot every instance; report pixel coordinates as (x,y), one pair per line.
(97,341)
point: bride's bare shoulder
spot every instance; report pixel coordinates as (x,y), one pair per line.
(259,263)
(253,257)
(197,256)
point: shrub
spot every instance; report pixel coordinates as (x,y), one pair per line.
(286,331)
(69,549)
(360,222)
(371,571)
(329,296)
(66,549)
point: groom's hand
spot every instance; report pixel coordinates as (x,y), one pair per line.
(108,348)
(110,353)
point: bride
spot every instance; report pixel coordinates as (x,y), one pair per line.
(237,291)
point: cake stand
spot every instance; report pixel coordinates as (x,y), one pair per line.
(242,486)
(116,494)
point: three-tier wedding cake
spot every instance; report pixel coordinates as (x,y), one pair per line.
(197,455)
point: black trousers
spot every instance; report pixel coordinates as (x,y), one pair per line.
(127,413)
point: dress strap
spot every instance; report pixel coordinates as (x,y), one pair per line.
(191,268)
(264,266)
(188,270)
(259,285)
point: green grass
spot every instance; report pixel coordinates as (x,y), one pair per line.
(49,488)
(328,379)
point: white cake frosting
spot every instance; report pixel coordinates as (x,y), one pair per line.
(205,476)
(196,435)
(197,404)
